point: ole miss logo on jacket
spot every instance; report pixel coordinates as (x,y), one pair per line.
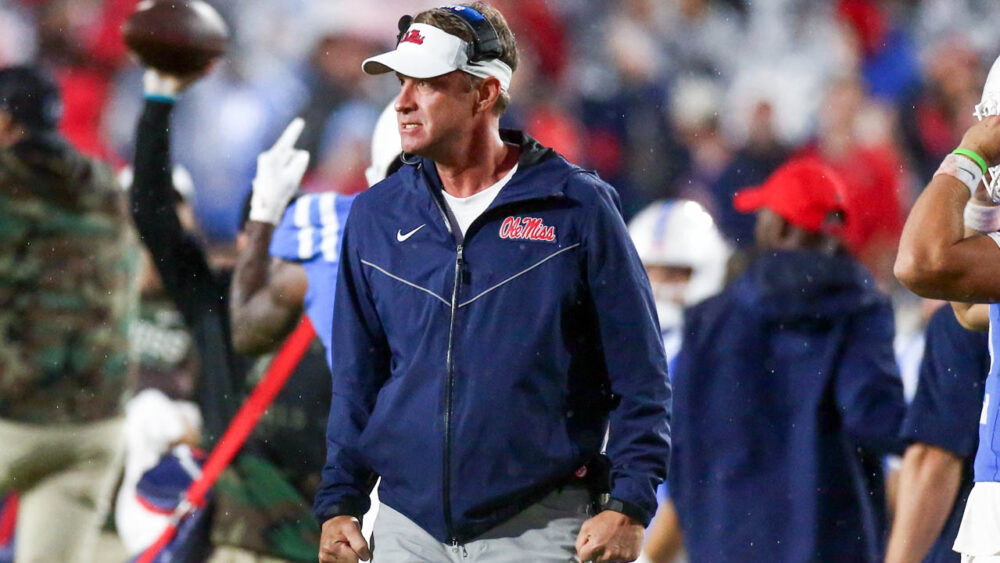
(527,228)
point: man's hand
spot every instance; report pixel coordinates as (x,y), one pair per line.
(341,541)
(609,537)
(279,172)
(983,138)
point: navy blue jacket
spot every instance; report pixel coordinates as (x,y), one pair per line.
(782,379)
(945,410)
(474,376)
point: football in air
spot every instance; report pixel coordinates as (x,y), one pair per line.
(176,36)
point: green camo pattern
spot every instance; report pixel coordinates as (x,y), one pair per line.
(68,260)
(257,509)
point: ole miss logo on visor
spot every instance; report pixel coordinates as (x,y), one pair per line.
(527,228)
(413,36)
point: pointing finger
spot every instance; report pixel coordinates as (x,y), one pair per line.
(291,135)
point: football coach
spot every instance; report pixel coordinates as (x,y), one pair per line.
(493,328)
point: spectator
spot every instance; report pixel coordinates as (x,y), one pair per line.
(695,104)
(631,141)
(70,262)
(780,380)
(750,165)
(699,35)
(855,140)
(343,151)
(333,79)
(81,42)
(935,114)
(888,61)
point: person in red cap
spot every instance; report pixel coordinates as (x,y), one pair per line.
(800,205)
(787,391)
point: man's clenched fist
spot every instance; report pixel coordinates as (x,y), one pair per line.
(609,537)
(341,541)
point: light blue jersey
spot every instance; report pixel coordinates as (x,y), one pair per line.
(310,234)
(987,466)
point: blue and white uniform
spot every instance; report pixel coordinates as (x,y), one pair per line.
(987,465)
(979,535)
(310,234)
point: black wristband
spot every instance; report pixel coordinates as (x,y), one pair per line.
(633,511)
(347,507)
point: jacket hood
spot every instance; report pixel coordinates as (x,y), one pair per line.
(801,285)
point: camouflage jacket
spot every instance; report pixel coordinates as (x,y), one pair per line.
(163,349)
(68,257)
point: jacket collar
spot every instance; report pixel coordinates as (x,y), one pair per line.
(540,172)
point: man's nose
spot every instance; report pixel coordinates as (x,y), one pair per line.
(404,101)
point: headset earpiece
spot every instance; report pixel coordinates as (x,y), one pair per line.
(485,44)
(403,25)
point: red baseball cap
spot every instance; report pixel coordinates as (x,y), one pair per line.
(803,191)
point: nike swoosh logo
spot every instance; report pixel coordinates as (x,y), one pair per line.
(402,238)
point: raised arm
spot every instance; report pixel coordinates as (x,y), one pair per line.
(935,258)
(266,296)
(179,258)
(265,300)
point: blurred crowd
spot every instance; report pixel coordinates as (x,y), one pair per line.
(685,98)
(693,99)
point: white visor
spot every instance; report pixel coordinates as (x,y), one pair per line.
(426,51)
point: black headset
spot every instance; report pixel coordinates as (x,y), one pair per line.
(485,43)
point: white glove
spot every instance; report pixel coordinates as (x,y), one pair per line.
(279,173)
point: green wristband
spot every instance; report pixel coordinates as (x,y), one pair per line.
(972,156)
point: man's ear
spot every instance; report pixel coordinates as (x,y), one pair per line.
(489,94)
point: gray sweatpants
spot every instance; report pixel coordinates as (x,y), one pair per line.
(544,532)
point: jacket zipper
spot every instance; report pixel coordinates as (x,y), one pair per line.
(449,385)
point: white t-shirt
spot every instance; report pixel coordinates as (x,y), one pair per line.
(467,209)
(979,534)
